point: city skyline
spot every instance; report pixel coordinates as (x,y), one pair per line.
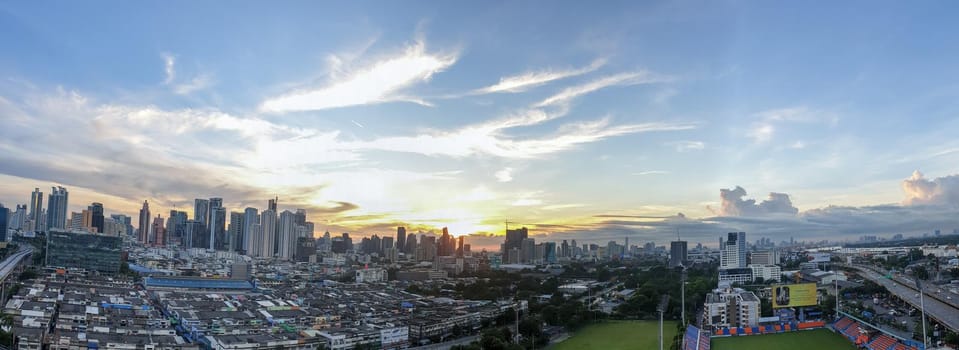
(427,118)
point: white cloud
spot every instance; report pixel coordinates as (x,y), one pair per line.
(798,145)
(938,191)
(621,79)
(504,175)
(169,61)
(652,172)
(525,81)
(526,202)
(377,83)
(686,146)
(199,82)
(762,133)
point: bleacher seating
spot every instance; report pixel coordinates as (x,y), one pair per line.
(695,339)
(852,332)
(842,324)
(882,342)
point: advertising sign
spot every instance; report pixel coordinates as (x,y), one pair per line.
(792,295)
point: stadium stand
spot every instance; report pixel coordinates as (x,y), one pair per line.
(695,339)
(882,342)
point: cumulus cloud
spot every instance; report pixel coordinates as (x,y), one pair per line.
(525,81)
(381,81)
(734,204)
(939,191)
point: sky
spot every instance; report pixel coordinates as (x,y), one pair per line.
(589,121)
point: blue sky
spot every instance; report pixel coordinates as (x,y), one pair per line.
(557,115)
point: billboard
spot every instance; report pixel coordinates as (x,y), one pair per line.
(792,295)
(819,257)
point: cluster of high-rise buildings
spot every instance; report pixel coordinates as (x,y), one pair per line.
(264,233)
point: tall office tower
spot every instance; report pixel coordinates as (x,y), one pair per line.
(217,228)
(194,235)
(445,246)
(376,244)
(18,218)
(286,236)
(310,228)
(176,227)
(255,247)
(573,248)
(299,218)
(125,221)
(271,205)
(401,239)
(216,202)
(36,207)
(387,243)
(410,247)
(564,249)
(76,222)
(514,238)
(677,253)
(250,217)
(733,251)
(627,246)
(87,223)
(527,250)
(57,208)
(96,210)
(201,210)
(159,232)
(144,234)
(459,247)
(4,222)
(268,227)
(235,231)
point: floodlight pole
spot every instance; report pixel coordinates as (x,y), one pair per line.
(683,296)
(922,306)
(837,297)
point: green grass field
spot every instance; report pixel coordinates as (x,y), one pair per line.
(620,335)
(819,339)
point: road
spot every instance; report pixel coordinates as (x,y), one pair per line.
(9,264)
(947,314)
(448,344)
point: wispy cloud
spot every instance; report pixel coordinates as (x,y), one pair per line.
(199,82)
(686,146)
(628,78)
(525,81)
(169,62)
(379,82)
(504,175)
(651,172)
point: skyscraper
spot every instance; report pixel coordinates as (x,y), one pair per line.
(514,239)
(96,211)
(57,208)
(235,231)
(250,218)
(217,228)
(4,222)
(159,232)
(733,251)
(286,236)
(201,210)
(268,227)
(177,227)
(144,233)
(271,205)
(677,253)
(36,208)
(401,238)
(125,221)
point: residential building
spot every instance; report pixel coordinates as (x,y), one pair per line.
(677,253)
(731,307)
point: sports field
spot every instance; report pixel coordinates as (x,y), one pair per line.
(818,339)
(620,335)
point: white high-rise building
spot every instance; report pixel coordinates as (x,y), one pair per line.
(250,218)
(57,205)
(286,236)
(732,253)
(731,307)
(268,229)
